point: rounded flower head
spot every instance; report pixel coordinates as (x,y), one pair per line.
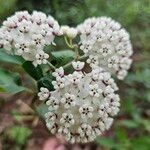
(82,105)
(26,35)
(107,45)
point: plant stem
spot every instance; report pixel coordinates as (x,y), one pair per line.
(52,66)
(68,44)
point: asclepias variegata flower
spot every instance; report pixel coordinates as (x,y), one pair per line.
(83,103)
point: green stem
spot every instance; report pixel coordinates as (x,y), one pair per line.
(52,66)
(68,44)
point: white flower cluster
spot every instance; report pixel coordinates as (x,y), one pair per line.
(26,35)
(82,105)
(107,45)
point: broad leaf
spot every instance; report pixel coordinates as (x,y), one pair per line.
(34,72)
(7,58)
(46,81)
(60,58)
(10,82)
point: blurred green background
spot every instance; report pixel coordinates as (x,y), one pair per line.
(131,129)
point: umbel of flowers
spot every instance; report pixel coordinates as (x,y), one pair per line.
(26,35)
(82,105)
(107,45)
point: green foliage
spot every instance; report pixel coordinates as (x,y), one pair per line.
(46,81)
(10,82)
(60,58)
(7,58)
(19,134)
(34,72)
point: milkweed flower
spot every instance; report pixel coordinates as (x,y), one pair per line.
(69,31)
(107,44)
(82,105)
(26,35)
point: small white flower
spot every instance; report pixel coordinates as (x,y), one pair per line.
(75,77)
(24,26)
(41,58)
(86,46)
(71,33)
(125,63)
(113,62)
(59,83)
(53,103)
(52,127)
(22,15)
(95,90)
(68,100)
(103,110)
(108,90)
(105,49)
(64,29)
(63,130)
(38,40)
(96,73)
(50,116)
(86,111)
(85,129)
(43,94)
(22,47)
(38,17)
(92,60)
(78,65)
(67,119)
(99,36)
(121,74)
(58,72)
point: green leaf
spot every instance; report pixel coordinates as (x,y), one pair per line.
(60,58)
(34,72)
(19,134)
(10,82)
(7,58)
(46,82)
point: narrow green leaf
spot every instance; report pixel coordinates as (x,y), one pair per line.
(34,72)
